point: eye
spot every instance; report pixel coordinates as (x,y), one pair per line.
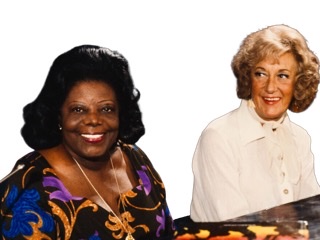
(260,74)
(282,75)
(108,109)
(77,109)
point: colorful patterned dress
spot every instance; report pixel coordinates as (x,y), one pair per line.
(36,205)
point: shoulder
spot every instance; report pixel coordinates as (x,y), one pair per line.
(22,198)
(223,120)
(135,154)
(138,158)
(133,150)
(231,119)
(224,125)
(24,164)
(25,174)
(297,128)
(299,132)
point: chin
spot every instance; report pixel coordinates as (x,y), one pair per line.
(95,155)
(273,117)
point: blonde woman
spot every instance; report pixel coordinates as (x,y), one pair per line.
(254,157)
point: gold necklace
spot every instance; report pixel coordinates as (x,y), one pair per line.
(129,235)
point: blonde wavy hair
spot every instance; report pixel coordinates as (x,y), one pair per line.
(273,41)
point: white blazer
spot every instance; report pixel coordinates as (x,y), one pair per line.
(235,174)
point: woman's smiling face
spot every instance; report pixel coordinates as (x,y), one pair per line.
(273,82)
(90,120)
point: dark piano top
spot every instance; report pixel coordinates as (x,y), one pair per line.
(284,217)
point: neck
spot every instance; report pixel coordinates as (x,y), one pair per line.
(91,163)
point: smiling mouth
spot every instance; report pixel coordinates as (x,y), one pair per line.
(271,100)
(92,137)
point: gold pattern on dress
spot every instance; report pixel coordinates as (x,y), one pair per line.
(24,176)
(156,181)
(4,197)
(130,194)
(69,223)
(48,170)
(114,225)
(36,234)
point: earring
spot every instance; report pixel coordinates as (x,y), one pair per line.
(60,127)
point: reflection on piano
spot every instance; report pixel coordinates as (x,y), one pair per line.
(295,220)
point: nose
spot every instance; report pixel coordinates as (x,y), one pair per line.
(92,118)
(271,84)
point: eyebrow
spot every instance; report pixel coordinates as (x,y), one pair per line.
(279,70)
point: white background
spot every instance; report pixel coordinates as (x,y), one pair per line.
(179,54)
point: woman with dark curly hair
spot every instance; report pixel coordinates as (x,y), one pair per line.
(254,157)
(86,178)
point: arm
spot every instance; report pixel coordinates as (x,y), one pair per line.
(23,209)
(309,184)
(216,194)
(154,187)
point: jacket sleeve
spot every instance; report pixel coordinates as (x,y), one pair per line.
(310,186)
(215,169)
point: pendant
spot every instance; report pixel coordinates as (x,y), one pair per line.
(129,237)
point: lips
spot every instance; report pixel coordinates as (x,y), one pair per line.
(271,100)
(92,138)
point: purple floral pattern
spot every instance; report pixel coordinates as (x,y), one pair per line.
(46,203)
(61,193)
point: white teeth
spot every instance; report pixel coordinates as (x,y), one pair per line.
(92,136)
(272,99)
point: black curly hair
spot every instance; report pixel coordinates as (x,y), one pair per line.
(41,117)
